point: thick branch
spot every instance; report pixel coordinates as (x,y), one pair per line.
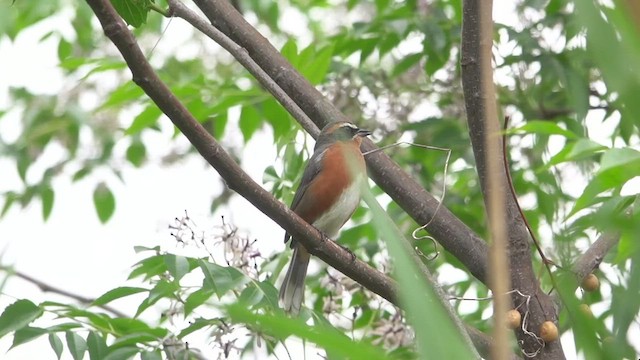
(447,229)
(592,258)
(44,287)
(480,125)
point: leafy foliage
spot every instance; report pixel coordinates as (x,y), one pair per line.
(567,79)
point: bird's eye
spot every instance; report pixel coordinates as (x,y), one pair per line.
(349,129)
(348,132)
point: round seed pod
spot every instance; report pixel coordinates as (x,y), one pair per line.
(590,283)
(548,331)
(514,319)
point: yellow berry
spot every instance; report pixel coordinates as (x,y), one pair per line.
(590,283)
(548,331)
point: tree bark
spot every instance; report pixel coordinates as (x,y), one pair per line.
(522,276)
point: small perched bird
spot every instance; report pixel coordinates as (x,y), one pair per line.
(328,194)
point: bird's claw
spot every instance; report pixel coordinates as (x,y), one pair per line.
(323,236)
(353,256)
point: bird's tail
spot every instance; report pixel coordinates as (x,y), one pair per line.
(292,290)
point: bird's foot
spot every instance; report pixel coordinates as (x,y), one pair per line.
(323,236)
(353,256)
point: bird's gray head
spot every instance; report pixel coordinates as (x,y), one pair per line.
(340,131)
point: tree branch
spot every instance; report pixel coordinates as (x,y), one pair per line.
(44,287)
(484,122)
(180,10)
(448,230)
(591,259)
(145,77)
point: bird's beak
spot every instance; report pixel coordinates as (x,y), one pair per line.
(363,133)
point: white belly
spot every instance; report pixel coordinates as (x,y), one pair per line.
(331,222)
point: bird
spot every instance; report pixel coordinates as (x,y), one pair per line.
(328,194)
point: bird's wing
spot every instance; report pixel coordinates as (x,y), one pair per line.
(310,172)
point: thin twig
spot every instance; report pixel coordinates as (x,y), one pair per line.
(44,287)
(414,234)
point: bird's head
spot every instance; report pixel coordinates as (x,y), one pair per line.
(341,131)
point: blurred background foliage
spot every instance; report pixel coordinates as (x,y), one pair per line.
(567,77)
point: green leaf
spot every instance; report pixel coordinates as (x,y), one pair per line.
(22,163)
(163,289)
(73,63)
(27,334)
(406,63)
(612,44)
(47,196)
(544,128)
(325,337)
(63,327)
(97,346)
(151,355)
(18,315)
(263,293)
(117,293)
(138,249)
(316,70)
(628,246)
(125,94)
(581,149)
(367,47)
(196,299)
(625,157)
(128,326)
(436,335)
(219,125)
(221,279)
(382,5)
(134,12)
(103,65)
(133,339)
(136,153)
(104,201)
(196,325)
(64,49)
(178,266)
(147,118)
(56,344)
(122,353)
(277,117)
(80,174)
(250,121)
(290,51)
(149,267)
(617,166)
(77,346)
(9,198)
